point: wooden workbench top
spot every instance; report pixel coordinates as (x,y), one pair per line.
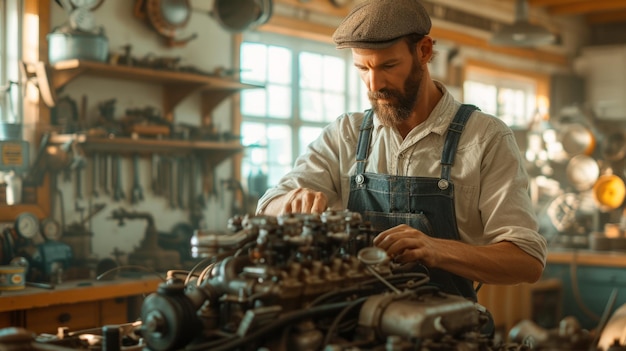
(77,291)
(587,257)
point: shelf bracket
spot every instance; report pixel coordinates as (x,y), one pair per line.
(173,94)
(61,78)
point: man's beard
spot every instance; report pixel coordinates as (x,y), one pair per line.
(399,106)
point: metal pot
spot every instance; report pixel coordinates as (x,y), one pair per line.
(77,45)
(578,139)
(582,172)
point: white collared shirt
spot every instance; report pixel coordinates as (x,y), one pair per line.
(491,197)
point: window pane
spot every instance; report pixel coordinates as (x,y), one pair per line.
(334,105)
(279,144)
(307,135)
(279,152)
(253,63)
(310,70)
(512,104)
(334,74)
(253,134)
(311,105)
(275,173)
(481,95)
(279,65)
(279,101)
(253,102)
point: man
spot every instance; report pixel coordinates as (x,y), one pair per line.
(442,181)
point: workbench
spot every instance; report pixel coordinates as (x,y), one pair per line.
(79,304)
(588,278)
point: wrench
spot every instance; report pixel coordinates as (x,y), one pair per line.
(94,175)
(155,174)
(118,192)
(137,191)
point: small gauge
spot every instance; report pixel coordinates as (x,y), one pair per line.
(51,229)
(27,225)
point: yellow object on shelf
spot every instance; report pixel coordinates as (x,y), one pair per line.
(609,191)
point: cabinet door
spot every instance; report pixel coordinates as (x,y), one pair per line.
(114,311)
(74,316)
(5,320)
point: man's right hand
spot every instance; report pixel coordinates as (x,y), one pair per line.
(304,200)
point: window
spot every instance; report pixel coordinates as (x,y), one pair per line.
(10,47)
(307,85)
(514,98)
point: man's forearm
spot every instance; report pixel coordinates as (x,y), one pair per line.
(500,263)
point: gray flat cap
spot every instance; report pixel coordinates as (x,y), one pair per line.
(376,24)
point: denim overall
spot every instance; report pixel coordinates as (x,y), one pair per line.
(423,203)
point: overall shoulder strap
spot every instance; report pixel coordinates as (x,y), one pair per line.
(363,145)
(452,139)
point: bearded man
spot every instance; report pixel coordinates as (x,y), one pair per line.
(444,183)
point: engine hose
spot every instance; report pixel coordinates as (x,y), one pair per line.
(360,288)
(331,331)
(280,322)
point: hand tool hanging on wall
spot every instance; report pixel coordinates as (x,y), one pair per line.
(155,174)
(94,175)
(105,179)
(180,182)
(118,192)
(172,182)
(137,191)
(79,203)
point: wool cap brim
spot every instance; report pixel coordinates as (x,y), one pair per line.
(377,24)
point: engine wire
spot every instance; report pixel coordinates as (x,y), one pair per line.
(331,330)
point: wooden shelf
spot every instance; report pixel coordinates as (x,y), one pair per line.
(214,151)
(177,85)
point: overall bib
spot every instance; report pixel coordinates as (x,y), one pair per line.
(423,203)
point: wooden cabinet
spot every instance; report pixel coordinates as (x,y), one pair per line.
(5,319)
(76,305)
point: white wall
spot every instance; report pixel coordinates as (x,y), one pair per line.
(212,48)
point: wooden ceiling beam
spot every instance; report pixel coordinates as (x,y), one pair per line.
(587,7)
(548,3)
(606,17)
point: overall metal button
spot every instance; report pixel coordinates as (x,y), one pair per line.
(442,184)
(360,179)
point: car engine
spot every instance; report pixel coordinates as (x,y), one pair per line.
(302,282)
